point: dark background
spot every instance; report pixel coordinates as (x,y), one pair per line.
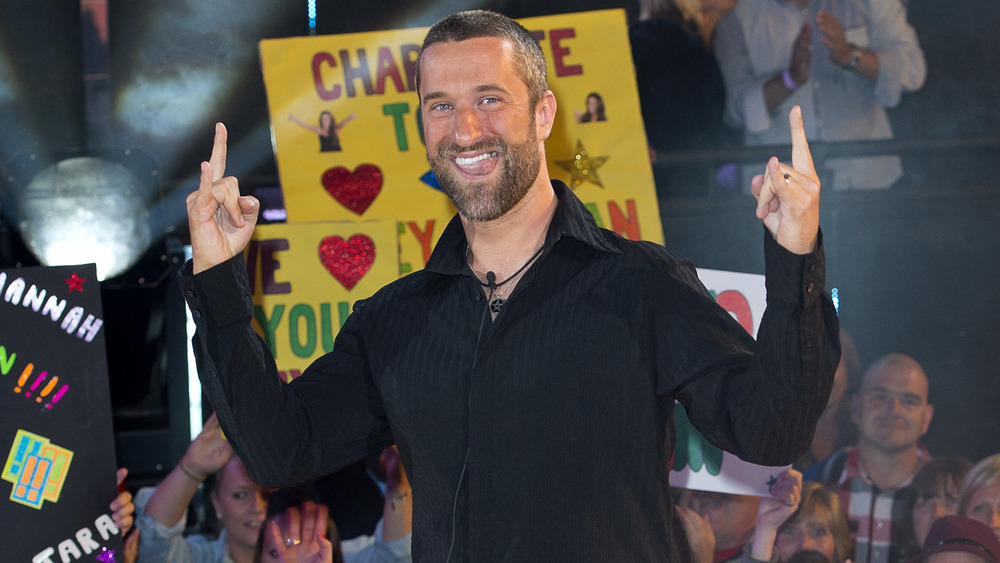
(914,266)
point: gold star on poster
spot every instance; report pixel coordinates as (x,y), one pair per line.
(583,167)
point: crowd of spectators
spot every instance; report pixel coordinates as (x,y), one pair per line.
(878,497)
(867,491)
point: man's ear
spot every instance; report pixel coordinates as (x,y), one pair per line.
(928,416)
(545,115)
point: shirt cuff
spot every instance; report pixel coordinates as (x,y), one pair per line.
(150,527)
(793,278)
(756,118)
(219,296)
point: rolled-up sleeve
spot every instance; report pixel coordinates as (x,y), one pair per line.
(745,105)
(902,67)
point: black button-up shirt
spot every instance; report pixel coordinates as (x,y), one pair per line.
(544,434)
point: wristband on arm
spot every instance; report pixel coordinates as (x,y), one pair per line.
(786,78)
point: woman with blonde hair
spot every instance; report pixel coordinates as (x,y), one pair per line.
(819,524)
(979,497)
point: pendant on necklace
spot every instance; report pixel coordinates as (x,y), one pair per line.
(496,303)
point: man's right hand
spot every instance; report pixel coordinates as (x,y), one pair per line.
(801,55)
(220,220)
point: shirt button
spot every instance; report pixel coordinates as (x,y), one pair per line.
(810,287)
(809,343)
(189,292)
(880,524)
(196,313)
(479,296)
(812,267)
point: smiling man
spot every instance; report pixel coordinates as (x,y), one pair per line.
(528,373)
(873,477)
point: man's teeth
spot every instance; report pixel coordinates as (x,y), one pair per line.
(461,161)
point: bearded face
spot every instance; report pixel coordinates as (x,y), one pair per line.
(492,197)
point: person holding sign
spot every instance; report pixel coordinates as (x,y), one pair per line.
(528,373)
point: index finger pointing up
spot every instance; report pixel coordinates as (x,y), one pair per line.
(218,160)
(801,157)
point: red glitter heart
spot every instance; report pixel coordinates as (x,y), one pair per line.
(354,190)
(347,260)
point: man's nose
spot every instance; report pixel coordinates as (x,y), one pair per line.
(469,127)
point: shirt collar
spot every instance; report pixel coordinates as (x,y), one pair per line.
(571,219)
(853,469)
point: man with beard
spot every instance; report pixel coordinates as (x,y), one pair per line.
(528,373)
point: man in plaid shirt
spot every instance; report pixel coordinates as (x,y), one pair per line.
(873,477)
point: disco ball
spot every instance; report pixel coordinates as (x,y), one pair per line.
(86,209)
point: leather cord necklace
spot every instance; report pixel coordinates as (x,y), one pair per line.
(496,297)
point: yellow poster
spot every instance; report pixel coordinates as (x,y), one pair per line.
(345,124)
(306,277)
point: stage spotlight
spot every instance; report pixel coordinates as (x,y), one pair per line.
(87,209)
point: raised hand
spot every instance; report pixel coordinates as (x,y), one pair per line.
(209,451)
(395,477)
(220,220)
(786,493)
(298,536)
(788,196)
(206,454)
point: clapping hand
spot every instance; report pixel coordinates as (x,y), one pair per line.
(801,56)
(833,37)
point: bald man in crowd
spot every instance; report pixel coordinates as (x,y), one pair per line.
(873,477)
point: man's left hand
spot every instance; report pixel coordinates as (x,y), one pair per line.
(833,36)
(788,196)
